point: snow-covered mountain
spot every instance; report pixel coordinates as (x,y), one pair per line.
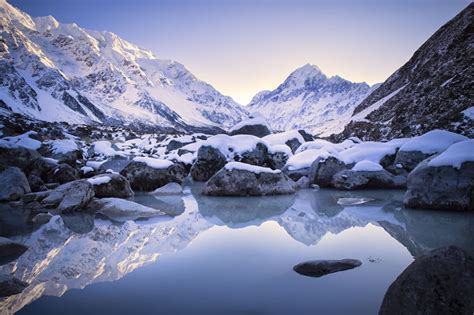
(62,72)
(309,99)
(433,90)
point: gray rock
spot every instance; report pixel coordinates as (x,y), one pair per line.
(10,250)
(443,188)
(349,179)
(145,178)
(303,182)
(294,144)
(410,159)
(322,170)
(252,129)
(440,282)
(116,164)
(209,160)
(258,156)
(117,186)
(174,145)
(277,160)
(168,189)
(14,184)
(72,196)
(17,156)
(245,183)
(64,173)
(10,285)
(41,218)
(36,183)
(80,222)
(319,268)
(122,210)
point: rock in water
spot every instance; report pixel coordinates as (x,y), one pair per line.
(209,161)
(10,285)
(319,268)
(122,210)
(14,184)
(239,179)
(168,189)
(10,250)
(72,196)
(440,282)
(111,185)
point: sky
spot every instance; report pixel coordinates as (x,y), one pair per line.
(246,46)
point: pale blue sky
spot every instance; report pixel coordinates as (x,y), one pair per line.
(243,47)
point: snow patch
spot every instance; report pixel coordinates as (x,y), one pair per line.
(250,168)
(455,155)
(153,163)
(434,141)
(367,166)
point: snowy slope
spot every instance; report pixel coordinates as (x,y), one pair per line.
(311,100)
(54,71)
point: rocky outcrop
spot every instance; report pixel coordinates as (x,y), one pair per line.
(72,196)
(440,282)
(248,180)
(323,169)
(319,268)
(143,177)
(209,161)
(441,187)
(111,185)
(14,184)
(350,179)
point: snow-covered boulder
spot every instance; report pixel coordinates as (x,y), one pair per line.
(104,149)
(10,250)
(323,169)
(122,210)
(419,148)
(382,153)
(64,150)
(300,164)
(240,179)
(444,181)
(208,162)
(278,155)
(116,164)
(292,139)
(147,174)
(256,126)
(367,174)
(14,184)
(111,185)
(72,196)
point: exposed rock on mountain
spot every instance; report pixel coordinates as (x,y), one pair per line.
(434,89)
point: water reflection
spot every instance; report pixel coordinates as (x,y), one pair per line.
(75,251)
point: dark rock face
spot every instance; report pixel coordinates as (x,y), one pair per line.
(10,285)
(349,179)
(19,157)
(257,156)
(410,159)
(323,170)
(64,173)
(245,183)
(435,86)
(174,145)
(319,268)
(118,186)
(443,187)
(10,250)
(294,144)
(36,183)
(14,184)
(145,178)
(72,196)
(254,130)
(440,282)
(116,164)
(277,160)
(306,136)
(209,161)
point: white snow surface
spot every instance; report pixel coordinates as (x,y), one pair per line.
(370,151)
(153,163)
(250,168)
(367,166)
(469,113)
(22,140)
(455,155)
(99,180)
(283,137)
(62,146)
(233,145)
(432,142)
(305,159)
(104,148)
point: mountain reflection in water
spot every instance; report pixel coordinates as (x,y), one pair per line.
(75,251)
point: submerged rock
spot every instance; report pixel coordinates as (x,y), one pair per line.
(111,185)
(10,250)
(13,184)
(319,268)
(10,285)
(239,179)
(440,282)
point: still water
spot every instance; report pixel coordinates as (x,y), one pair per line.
(222,255)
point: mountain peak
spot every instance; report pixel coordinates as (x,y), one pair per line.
(45,23)
(308,70)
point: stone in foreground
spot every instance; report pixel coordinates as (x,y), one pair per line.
(319,268)
(440,282)
(72,196)
(10,285)
(13,184)
(111,185)
(239,179)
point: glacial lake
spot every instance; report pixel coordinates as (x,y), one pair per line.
(222,255)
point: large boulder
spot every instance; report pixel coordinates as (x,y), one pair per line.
(72,196)
(323,170)
(278,155)
(239,179)
(440,282)
(111,185)
(209,161)
(444,182)
(292,138)
(366,174)
(148,174)
(254,126)
(300,164)
(14,184)
(10,250)
(64,173)
(20,157)
(63,150)
(116,164)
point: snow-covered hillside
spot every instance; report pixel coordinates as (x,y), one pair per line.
(62,72)
(311,100)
